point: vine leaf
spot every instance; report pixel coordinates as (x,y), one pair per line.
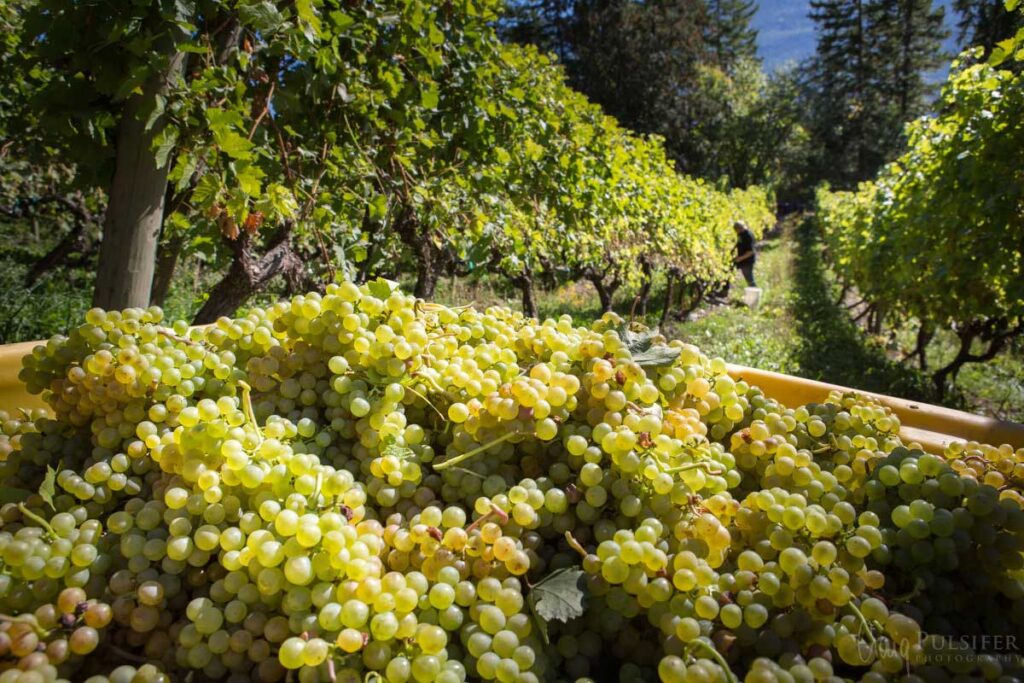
(557,596)
(48,488)
(645,352)
(382,288)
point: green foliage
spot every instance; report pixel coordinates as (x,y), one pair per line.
(938,237)
(702,89)
(326,141)
(729,34)
(557,597)
(985,23)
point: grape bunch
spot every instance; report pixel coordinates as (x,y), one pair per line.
(363,486)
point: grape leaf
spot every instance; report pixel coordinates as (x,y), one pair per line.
(48,488)
(381,288)
(557,596)
(262,16)
(644,351)
(657,357)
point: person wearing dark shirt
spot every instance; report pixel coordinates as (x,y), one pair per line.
(745,254)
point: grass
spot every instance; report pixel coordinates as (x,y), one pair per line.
(763,337)
(833,348)
(798,330)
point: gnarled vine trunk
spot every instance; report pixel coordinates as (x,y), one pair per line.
(524,282)
(166,263)
(249,273)
(669,296)
(645,289)
(996,333)
(605,290)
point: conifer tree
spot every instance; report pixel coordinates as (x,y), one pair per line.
(839,75)
(729,35)
(986,22)
(867,79)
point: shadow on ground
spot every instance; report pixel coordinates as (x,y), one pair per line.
(831,347)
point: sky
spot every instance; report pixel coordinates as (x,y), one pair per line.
(786,33)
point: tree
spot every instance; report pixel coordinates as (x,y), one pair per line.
(984,23)
(844,104)
(546,24)
(729,35)
(638,60)
(909,36)
(867,79)
(109,90)
(748,127)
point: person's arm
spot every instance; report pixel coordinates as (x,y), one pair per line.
(747,243)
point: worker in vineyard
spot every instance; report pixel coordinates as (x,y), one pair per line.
(745,254)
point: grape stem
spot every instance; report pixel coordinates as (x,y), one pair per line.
(495,511)
(694,466)
(38,520)
(427,400)
(476,451)
(174,337)
(319,484)
(127,655)
(470,473)
(574,544)
(247,409)
(717,656)
(864,624)
(639,409)
(427,379)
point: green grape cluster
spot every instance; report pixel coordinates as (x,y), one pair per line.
(363,486)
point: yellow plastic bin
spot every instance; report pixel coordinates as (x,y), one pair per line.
(12,392)
(933,427)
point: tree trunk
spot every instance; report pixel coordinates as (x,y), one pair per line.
(842,295)
(669,295)
(699,291)
(249,273)
(645,289)
(605,293)
(429,256)
(924,337)
(925,333)
(426,275)
(875,321)
(166,262)
(943,374)
(525,284)
(135,211)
